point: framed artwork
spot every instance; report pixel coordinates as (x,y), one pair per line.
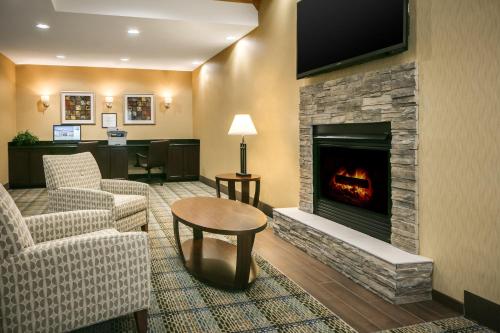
(77,108)
(109,120)
(139,109)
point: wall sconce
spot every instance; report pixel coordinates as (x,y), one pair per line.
(109,101)
(167,101)
(45,101)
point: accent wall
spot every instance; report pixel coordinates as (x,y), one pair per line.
(7,112)
(455,45)
(33,81)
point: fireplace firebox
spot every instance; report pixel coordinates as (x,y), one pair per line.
(352,176)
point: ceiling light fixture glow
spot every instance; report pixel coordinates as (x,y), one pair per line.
(60,56)
(124,59)
(43,26)
(231,38)
(197,62)
(133,31)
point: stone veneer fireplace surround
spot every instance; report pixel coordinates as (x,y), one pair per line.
(384,95)
(394,271)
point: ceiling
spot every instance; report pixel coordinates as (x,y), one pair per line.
(174,34)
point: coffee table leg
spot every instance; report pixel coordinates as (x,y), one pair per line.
(177,239)
(243,261)
(197,234)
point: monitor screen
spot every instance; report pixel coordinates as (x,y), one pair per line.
(67,133)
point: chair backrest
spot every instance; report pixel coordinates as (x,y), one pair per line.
(90,146)
(14,233)
(77,170)
(157,153)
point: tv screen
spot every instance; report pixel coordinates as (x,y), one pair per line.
(337,33)
(67,133)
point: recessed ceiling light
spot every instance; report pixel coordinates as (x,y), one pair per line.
(43,26)
(197,62)
(133,31)
(124,59)
(231,38)
(60,56)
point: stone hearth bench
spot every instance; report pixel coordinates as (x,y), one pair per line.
(397,276)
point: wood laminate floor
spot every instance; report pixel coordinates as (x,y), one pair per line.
(362,309)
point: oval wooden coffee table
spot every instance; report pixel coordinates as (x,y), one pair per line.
(217,262)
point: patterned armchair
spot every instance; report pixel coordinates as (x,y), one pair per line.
(54,278)
(74,183)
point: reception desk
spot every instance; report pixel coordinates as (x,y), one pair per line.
(115,162)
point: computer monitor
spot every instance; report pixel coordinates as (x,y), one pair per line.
(67,133)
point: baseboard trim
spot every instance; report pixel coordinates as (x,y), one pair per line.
(448,301)
(265,208)
(482,311)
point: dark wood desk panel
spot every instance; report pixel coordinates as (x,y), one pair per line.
(19,167)
(36,173)
(191,161)
(183,161)
(118,162)
(102,158)
(26,162)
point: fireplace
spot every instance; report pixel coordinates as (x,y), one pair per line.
(352,176)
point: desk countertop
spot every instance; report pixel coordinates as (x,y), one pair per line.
(104,143)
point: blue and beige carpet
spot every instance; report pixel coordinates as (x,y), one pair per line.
(180,303)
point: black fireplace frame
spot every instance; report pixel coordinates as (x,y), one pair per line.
(372,136)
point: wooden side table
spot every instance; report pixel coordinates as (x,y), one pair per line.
(215,261)
(232,179)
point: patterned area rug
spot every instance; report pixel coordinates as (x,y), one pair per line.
(450,325)
(180,303)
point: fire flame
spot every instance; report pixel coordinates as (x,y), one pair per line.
(353,192)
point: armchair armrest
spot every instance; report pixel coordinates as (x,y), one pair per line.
(125,187)
(48,227)
(108,273)
(69,198)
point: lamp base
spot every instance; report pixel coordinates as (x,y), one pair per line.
(243,174)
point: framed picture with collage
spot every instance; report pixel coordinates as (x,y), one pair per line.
(77,107)
(139,109)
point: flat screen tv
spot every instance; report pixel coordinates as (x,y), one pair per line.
(67,133)
(332,34)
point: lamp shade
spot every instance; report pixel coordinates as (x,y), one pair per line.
(242,125)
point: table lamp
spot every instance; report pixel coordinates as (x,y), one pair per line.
(242,125)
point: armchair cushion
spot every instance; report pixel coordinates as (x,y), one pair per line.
(66,284)
(125,187)
(48,227)
(77,170)
(103,232)
(126,205)
(14,234)
(68,198)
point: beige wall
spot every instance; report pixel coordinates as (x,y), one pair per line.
(459,56)
(455,43)
(7,112)
(255,76)
(33,81)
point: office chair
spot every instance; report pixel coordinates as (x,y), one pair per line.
(157,156)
